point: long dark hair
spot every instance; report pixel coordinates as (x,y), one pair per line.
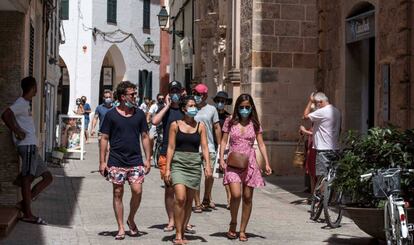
(184,100)
(253,115)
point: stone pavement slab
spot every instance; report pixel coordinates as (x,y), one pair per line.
(78,207)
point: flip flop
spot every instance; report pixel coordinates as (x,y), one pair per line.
(190,229)
(243,237)
(169,228)
(120,236)
(133,231)
(198,209)
(178,241)
(34,220)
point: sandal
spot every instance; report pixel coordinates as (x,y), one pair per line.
(178,241)
(169,228)
(120,236)
(243,237)
(34,220)
(231,234)
(133,230)
(189,229)
(198,209)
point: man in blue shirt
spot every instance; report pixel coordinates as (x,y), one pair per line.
(122,128)
(101,111)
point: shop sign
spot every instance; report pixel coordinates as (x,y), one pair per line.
(360,27)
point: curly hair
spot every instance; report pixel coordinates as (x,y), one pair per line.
(123,86)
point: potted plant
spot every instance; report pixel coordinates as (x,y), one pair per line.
(59,152)
(380,148)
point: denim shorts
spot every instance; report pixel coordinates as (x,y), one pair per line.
(324,160)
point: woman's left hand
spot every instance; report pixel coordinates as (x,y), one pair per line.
(268,170)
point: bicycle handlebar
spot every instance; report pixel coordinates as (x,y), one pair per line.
(365,176)
(369,175)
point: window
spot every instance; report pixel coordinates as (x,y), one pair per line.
(146,22)
(111,13)
(64,9)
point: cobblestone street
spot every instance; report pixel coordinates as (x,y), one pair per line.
(78,207)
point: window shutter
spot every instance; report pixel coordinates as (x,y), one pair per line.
(31,50)
(111,11)
(146,20)
(64,9)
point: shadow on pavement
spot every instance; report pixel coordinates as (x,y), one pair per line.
(344,239)
(292,184)
(159,226)
(113,233)
(224,234)
(189,237)
(56,205)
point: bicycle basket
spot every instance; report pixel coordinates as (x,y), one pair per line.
(386,183)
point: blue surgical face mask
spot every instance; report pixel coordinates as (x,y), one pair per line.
(116,103)
(108,101)
(198,99)
(130,104)
(175,98)
(245,112)
(192,111)
(220,105)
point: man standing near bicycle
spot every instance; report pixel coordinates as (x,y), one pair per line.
(326,121)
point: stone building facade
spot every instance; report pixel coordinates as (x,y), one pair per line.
(358,52)
(366,61)
(29,32)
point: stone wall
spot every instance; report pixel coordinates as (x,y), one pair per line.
(393,46)
(11,71)
(282,72)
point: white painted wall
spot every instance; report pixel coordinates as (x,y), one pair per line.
(84,67)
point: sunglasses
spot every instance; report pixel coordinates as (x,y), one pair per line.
(131,94)
(245,107)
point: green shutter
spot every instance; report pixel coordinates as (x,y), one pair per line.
(111,12)
(146,21)
(64,9)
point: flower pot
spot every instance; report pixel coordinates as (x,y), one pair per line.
(58,155)
(371,220)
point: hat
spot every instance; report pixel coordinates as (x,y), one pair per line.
(224,95)
(174,84)
(201,88)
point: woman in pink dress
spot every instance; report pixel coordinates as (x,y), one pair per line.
(243,128)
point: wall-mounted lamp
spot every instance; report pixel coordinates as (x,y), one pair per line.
(163,18)
(149,49)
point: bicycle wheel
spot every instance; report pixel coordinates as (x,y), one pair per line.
(332,206)
(156,155)
(389,224)
(317,200)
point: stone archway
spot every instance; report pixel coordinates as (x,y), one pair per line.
(360,67)
(112,70)
(63,95)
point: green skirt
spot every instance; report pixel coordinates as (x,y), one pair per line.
(186,169)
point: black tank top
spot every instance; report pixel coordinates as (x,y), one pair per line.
(187,142)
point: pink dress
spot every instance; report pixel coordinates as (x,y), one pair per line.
(243,143)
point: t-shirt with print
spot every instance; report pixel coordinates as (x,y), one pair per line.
(124,134)
(101,111)
(209,116)
(23,114)
(326,128)
(173,114)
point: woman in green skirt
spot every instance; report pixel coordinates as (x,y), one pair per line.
(184,163)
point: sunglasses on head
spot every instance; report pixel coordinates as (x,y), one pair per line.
(245,107)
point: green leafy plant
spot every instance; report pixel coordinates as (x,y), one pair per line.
(380,148)
(61,149)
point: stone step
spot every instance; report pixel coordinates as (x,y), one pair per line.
(8,218)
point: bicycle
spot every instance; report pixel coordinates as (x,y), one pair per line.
(387,185)
(332,206)
(157,146)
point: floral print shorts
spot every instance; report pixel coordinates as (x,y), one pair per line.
(118,175)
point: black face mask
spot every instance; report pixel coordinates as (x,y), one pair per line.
(160,101)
